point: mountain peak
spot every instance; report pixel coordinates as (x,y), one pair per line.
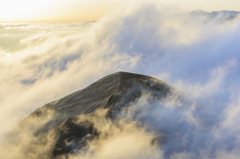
(112,92)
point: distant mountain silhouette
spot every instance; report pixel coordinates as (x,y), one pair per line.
(219,16)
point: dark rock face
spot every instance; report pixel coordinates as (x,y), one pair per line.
(57,125)
(73,136)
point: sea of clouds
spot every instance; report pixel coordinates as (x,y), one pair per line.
(196,54)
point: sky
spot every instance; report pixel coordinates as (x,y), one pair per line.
(196,53)
(89,10)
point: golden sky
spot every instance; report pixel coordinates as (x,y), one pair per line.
(89,10)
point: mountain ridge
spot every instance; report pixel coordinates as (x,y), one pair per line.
(48,124)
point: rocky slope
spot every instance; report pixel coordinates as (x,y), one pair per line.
(55,130)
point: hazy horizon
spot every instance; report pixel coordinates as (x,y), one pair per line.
(14,11)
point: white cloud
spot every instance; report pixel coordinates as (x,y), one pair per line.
(198,58)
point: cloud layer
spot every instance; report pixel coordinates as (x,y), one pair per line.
(199,56)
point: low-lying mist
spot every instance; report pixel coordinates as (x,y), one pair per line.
(196,53)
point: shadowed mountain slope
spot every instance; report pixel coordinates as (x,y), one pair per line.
(56,125)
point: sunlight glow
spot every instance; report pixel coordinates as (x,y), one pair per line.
(15,10)
(55,10)
(89,10)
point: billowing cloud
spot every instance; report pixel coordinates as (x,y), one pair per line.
(196,54)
